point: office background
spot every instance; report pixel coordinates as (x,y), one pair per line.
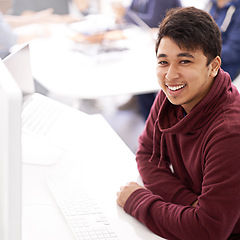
(127,122)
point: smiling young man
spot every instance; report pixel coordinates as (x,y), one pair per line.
(189,154)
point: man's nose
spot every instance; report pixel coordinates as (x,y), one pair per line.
(172,73)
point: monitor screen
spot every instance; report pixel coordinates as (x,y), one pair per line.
(10,156)
(19,65)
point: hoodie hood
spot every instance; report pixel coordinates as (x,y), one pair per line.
(171,118)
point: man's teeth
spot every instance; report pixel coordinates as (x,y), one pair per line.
(176,88)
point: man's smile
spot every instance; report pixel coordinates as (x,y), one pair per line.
(175,88)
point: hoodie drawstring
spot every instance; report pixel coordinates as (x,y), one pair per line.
(162,144)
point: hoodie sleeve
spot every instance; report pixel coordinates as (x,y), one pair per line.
(217,212)
(159,178)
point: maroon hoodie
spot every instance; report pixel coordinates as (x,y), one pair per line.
(182,159)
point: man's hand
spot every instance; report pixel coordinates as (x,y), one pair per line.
(126,191)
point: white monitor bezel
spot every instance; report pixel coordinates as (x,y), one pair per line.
(10,156)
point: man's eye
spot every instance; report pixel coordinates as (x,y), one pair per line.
(162,63)
(185,61)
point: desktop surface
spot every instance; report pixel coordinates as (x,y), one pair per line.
(103,163)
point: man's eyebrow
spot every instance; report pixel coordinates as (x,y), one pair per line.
(185,55)
(162,55)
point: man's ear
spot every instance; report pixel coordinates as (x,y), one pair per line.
(214,66)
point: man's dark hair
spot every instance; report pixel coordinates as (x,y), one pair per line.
(193,29)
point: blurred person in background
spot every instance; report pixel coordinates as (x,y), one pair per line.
(31,12)
(7,37)
(151,12)
(226,13)
(40,17)
(5,6)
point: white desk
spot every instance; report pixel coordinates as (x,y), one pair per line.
(69,73)
(236,82)
(104,163)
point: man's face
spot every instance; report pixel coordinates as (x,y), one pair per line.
(182,74)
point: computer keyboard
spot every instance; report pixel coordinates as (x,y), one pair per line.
(82,212)
(40,115)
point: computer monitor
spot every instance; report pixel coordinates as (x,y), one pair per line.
(19,65)
(10,156)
